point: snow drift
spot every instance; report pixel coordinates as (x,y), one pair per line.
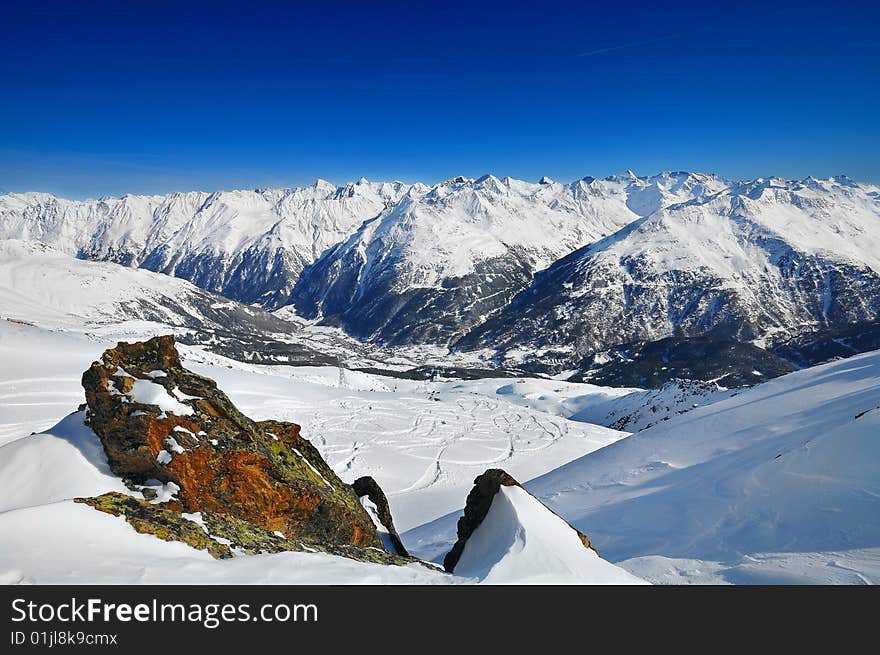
(507,536)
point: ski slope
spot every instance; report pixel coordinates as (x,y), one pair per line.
(423,442)
(779,484)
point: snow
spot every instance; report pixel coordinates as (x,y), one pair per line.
(68,543)
(763,487)
(109,303)
(777,484)
(749,262)
(451,229)
(66,462)
(47,287)
(40,377)
(195,517)
(622,408)
(174,232)
(151,393)
(522,542)
(171,443)
(164,492)
(738,228)
(424,442)
(179,395)
(309,464)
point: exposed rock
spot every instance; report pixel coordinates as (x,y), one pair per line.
(223,536)
(374,500)
(479,500)
(158,421)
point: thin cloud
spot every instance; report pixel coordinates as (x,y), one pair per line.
(668,37)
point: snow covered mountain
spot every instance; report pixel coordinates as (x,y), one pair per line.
(528,275)
(442,261)
(759,261)
(44,287)
(246,245)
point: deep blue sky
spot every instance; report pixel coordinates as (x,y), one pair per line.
(106,98)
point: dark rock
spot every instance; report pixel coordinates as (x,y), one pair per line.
(367,486)
(382,308)
(479,500)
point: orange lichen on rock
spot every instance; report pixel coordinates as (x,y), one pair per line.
(265,473)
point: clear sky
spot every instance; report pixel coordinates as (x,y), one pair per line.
(106,98)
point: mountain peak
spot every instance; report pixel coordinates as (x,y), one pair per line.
(453,181)
(324,185)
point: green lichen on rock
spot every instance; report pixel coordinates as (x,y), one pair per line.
(223,536)
(253,540)
(158,521)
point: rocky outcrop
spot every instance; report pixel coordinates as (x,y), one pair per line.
(176,436)
(220,534)
(477,506)
(204,474)
(374,501)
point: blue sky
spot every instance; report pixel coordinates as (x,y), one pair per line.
(104,98)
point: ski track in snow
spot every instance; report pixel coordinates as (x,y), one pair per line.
(412,444)
(424,442)
(751,489)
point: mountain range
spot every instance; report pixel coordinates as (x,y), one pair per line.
(531,275)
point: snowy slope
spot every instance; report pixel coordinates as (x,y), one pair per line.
(246,245)
(760,261)
(778,484)
(521,542)
(48,539)
(423,442)
(69,543)
(49,288)
(620,408)
(443,260)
